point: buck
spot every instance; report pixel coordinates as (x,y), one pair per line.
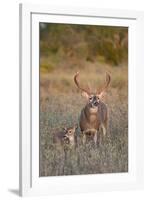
(66,137)
(94,115)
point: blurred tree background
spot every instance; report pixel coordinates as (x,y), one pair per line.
(77,43)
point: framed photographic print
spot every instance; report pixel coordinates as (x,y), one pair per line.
(81,120)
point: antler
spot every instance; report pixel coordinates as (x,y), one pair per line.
(78,84)
(108,79)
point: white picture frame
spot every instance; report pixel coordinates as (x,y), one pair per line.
(30,183)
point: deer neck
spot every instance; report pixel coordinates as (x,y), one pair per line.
(90,113)
(72,140)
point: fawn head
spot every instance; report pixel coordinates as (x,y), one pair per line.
(69,134)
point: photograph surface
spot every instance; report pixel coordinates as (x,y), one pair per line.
(83,118)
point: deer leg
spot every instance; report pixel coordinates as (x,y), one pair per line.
(95,138)
(103,129)
(84,138)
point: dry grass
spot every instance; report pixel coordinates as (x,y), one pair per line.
(60,105)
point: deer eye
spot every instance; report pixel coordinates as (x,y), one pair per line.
(90,98)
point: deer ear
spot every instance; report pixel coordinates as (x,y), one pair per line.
(84,94)
(101,95)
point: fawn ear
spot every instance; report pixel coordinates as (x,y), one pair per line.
(76,126)
(85,94)
(64,129)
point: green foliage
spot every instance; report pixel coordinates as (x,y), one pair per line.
(46,68)
(86,42)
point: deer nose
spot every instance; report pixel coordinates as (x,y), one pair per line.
(96,103)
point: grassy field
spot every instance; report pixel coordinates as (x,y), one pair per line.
(60,106)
